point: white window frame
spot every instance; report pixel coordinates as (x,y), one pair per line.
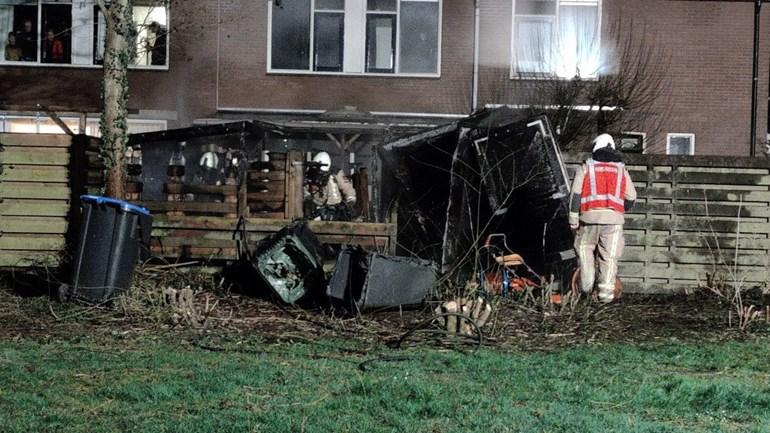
(515,74)
(638,134)
(91,121)
(689,135)
(397,53)
(37,118)
(552,20)
(39,64)
(313,12)
(360,44)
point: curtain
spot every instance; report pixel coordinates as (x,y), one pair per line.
(533,44)
(6,26)
(578,49)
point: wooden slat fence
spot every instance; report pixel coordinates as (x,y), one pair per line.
(215,237)
(695,215)
(37,175)
(42,177)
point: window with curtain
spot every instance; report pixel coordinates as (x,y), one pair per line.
(556,37)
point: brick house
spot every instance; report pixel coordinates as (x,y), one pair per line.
(399,62)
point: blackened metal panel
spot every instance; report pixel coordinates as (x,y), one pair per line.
(363,281)
(394,281)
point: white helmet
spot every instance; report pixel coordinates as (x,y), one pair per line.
(603,140)
(324,160)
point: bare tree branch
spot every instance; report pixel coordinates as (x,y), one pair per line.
(629,92)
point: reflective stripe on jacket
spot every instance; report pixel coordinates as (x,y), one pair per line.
(604,186)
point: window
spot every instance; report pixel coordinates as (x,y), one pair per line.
(632,142)
(56,33)
(355,36)
(329,23)
(680,144)
(72,32)
(151,21)
(38,124)
(135,126)
(418,33)
(42,124)
(19,30)
(556,37)
(381,18)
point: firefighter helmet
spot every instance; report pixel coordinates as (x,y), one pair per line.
(603,140)
(324,160)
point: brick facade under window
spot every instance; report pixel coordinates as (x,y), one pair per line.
(224,66)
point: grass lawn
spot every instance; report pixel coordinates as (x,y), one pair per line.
(167,384)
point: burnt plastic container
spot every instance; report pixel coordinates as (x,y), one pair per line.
(114,236)
(364,281)
(290,262)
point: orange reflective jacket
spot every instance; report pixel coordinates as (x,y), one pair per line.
(604,186)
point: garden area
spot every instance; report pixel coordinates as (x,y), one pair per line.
(226,361)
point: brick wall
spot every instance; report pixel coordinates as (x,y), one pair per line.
(187,88)
(710,44)
(245,83)
(710,72)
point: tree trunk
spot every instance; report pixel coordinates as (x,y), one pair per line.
(114,127)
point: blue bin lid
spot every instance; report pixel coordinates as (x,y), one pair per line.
(123,205)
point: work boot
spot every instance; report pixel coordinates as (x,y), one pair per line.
(606,295)
(606,299)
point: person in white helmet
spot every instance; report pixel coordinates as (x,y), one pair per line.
(601,192)
(327,196)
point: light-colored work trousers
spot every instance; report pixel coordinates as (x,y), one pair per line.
(602,243)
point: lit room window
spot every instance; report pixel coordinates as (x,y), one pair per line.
(556,37)
(151,21)
(73,32)
(135,126)
(36,124)
(19,30)
(355,36)
(42,124)
(680,144)
(632,142)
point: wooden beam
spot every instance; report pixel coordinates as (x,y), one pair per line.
(351,140)
(59,122)
(336,141)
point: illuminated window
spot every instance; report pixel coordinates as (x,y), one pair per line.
(556,37)
(135,126)
(42,124)
(73,32)
(37,124)
(151,21)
